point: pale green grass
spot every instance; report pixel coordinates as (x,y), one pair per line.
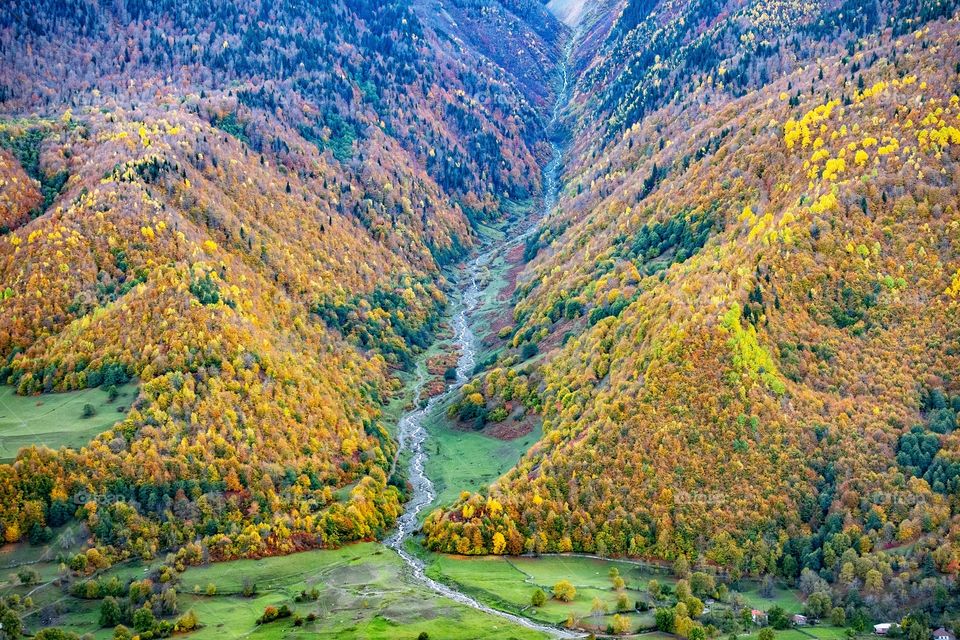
(509,583)
(56,419)
(789,599)
(363,594)
(818,632)
(468,460)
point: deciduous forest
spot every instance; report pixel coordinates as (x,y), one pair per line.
(706,254)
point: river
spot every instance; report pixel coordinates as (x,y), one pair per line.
(412,434)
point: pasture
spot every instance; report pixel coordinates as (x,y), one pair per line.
(55,420)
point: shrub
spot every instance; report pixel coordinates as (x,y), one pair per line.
(538,598)
(28,576)
(620,624)
(272,613)
(187,622)
(110,612)
(564,591)
(498,415)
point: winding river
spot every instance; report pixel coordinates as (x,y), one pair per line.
(412,435)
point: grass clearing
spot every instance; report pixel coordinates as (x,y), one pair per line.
(508,583)
(467,460)
(362,589)
(789,599)
(817,632)
(57,419)
(362,595)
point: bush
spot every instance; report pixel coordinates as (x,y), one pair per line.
(110,612)
(838,617)
(778,618)
(664,619)
(272,613)
(498,415)
(54,633)
(187,622)
(538,598)
(120,632)
(564,591)
(88,411)
(143,619)
(28,576)
(620,624)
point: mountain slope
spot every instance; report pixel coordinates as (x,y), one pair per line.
(245,207)
(746,304)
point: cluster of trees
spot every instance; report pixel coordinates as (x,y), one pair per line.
(393,322)
(494,396)
(147,607)
(725,52)
(24,142)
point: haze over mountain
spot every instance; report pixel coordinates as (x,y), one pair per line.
(733,335)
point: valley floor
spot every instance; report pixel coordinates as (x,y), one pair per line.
(363,592)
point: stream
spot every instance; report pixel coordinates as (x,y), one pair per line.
(412,435)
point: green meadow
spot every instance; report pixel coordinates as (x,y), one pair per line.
(789,599)
(463,460)
(57,420)
(509,583)
(361,593)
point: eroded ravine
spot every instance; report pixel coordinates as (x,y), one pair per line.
(412,434)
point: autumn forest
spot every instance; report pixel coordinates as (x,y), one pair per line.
(559,319)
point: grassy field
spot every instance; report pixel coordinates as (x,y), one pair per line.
(363,595)
(509,583)
(56,419)
(786,598)
(818,632)
(44,559)
(467,460)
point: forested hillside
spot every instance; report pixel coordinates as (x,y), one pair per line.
(737,330)
(740,325)
(243,207)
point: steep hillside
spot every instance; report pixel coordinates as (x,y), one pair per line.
(244,207)
(740,324)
